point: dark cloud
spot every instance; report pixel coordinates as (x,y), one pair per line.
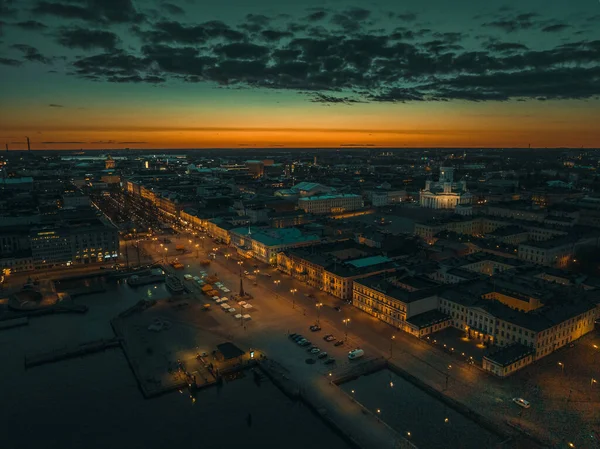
(101,11)
(175,32)
(183,61)
(513,23)
(54,105)
(31,25)
(352,62)
(87,39)
(555,28)
(63,143)
(172,9)
(275,35)
(316,16)
(351,20)
(10,62)
(242,50)
(258,19)
(407,16)
(114,66)
(505,47)
(31,53)
(330,99)
(397,95)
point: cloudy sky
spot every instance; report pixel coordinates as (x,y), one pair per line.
(272,73)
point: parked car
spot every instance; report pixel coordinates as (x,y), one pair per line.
(356,354)
(301,340)
(338,308)
(521,402)
(338,343)
(329,361)
(298,337)
(322,355)
(328,337)
(291,336)
(304,343)
(315,328)
(315,350)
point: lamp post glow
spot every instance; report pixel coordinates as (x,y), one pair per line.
(392,345)
(562,366)
(318,306)
(346,321)
(293,292)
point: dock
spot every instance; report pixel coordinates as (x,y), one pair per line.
(69,353)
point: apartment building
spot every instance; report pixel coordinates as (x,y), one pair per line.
(65,243)
(265,244)
(333,268)
(330,204)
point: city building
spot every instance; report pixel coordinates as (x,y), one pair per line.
(333,267)
(265,243)
(67,243)
(330,204)
(445,194)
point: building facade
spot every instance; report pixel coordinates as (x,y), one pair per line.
(330,204)
(445,194)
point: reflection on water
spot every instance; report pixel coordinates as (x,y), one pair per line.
(427,422)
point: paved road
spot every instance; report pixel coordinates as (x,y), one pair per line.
(467,384)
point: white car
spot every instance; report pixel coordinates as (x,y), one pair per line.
(187,277)
(315,351)
(521,402)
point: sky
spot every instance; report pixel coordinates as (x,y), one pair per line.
(110,74)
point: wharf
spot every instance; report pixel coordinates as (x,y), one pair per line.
(69,353)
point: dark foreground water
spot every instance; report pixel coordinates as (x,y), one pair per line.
(94,402)
(406,408)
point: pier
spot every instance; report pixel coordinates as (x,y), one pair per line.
(69,353)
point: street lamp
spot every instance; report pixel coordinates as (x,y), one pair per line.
(277,282)
(318,306)
(592,382)
(391,345)
(293,292)
(562,366)
(166,258)
(197,249)
(346,321)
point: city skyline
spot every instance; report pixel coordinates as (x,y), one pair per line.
(108,75)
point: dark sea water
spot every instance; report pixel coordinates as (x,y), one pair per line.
(94,402)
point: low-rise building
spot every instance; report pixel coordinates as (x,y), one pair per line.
(333,267)
(265,243)
(331,204)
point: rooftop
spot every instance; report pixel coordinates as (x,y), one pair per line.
(510,354)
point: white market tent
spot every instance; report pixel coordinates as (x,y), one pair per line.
(241,303)
(238,316)
(232,310)
(247,306)
(247,317)
(225,306)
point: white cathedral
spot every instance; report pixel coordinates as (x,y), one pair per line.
(445,194)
